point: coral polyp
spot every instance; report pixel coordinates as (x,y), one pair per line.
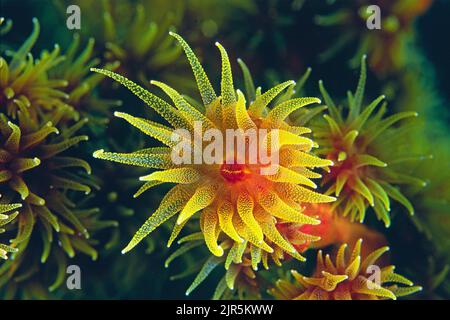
(355,137)
(4,220)
(136,35)
(35,173)
(240,262)
(79,83)
(349,277)
(235,195)
(39,173)
(24,83)
(37,87)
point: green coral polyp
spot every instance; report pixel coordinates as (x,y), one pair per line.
(74,69)
(4,220)
(34,171)
(24,84)
(354,137)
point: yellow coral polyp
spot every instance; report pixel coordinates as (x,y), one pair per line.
(349,277)
(234,198)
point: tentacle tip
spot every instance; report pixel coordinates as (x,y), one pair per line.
(98,153)
(219,252)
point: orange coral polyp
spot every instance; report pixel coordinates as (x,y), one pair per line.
(236,201)
(347,277)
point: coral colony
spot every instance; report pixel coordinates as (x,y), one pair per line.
(288,190)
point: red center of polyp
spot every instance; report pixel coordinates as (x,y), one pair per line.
(234,172)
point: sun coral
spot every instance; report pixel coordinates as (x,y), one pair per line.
(79,85)
(35,275)
(135,34)
(240,261)
(333,229)
(38,167)
(350,277)
(4,220)
(235,198)
(433,201)
(354,138)
(36,87)
(35,173)
(24,83)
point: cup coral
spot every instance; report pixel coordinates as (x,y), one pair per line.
(235,198)
(24,83)
(135,34)
(79,84)
(349,277)
(354,138)
(240,261)
(4,220)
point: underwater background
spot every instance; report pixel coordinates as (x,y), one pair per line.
(62,204)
